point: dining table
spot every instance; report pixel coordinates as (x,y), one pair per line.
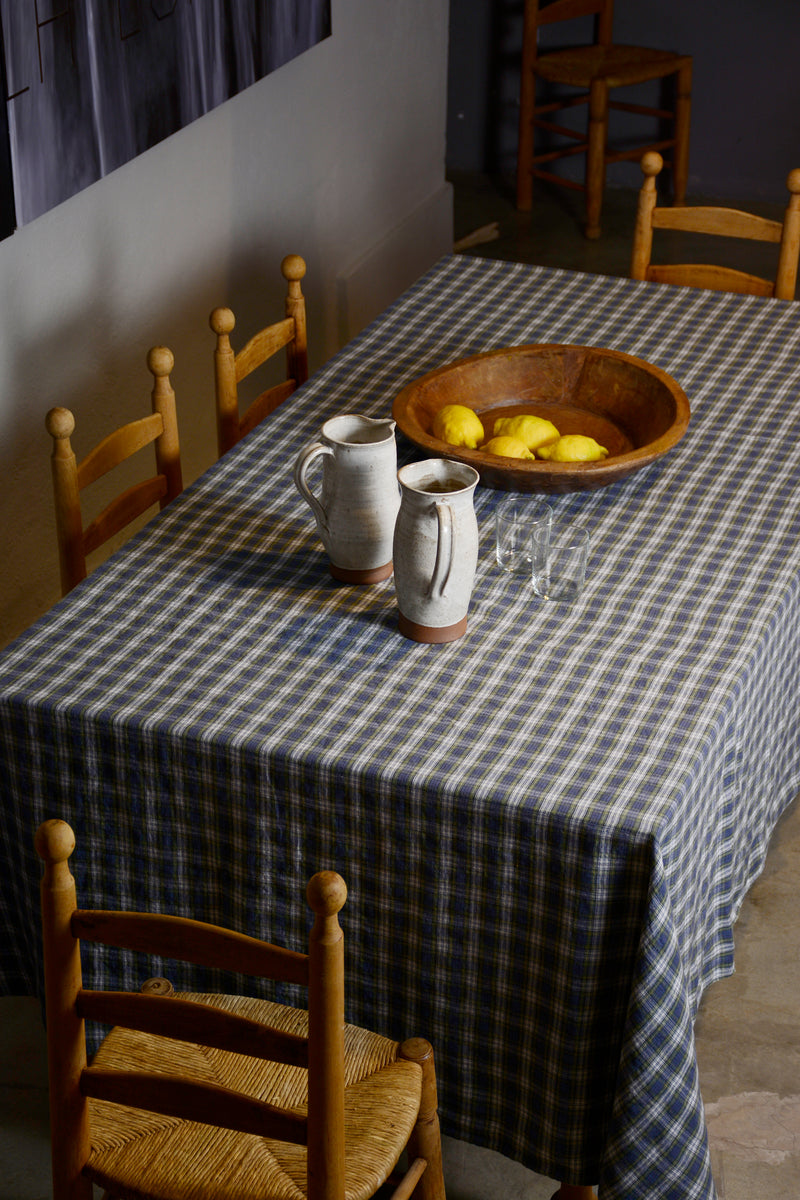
(547,826)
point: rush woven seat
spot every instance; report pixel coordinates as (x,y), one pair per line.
(210,1097)
(231,368)
(150,1154)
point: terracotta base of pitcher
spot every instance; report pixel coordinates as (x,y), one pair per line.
(371,575)
(431,635)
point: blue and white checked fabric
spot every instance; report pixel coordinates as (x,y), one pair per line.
(547,827)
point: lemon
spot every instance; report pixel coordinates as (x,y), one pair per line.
(573,447)
(533,431)
(507,447)
(458,426)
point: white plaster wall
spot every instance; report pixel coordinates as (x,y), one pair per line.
(337,156)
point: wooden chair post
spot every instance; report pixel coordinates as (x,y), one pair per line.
(69,1113)
(527,103)
(425,1141)
(293,269)
(786,279)
(326,894)
(60,424)
(683,118)
(605,24)
(160,362)
(596,156)
(652,163)
(222,322)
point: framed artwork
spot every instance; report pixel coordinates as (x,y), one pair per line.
(90,84)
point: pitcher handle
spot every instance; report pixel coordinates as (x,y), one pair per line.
(444,551)
(302,466)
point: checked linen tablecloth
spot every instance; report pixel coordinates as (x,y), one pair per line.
(547,827)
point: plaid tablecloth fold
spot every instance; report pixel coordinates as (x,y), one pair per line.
(547,828)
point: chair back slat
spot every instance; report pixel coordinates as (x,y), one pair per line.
(187,940)
(118,446)
(709,275)
(262,346)
(125,508)
(265,404)
(207,1103)
(718,222)
(191,1021)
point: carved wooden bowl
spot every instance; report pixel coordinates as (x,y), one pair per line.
(629,406)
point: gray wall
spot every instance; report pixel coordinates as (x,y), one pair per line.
(338,156)
(746,91)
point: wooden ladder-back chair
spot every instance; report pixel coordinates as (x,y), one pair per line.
(231,368)
(721,222)
(591,72)
(200,1097)
(76,541)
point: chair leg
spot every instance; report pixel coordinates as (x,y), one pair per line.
(425,1141)
(683,111)
(596,156)
(527,104)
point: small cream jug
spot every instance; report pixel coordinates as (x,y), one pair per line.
(435,549)
(356,509)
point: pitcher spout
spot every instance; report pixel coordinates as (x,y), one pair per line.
(358,431)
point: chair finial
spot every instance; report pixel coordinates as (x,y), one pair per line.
(60,423)
(652,162)
(326,893)
(160,360)
(793,181)
(54,841)
(293,268)
(222,320)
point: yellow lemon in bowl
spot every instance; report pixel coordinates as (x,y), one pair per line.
(533,431)
(507,447)
(573,447)
(458,426)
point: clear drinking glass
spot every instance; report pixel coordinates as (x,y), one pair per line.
(515,520)
(558,562)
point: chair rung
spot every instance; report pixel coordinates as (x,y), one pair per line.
(562,152)
(551,127)
(636,152)
(644,110)
(559,179)
(405,1187)
(565,102)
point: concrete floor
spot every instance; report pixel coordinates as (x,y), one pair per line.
(748,1029)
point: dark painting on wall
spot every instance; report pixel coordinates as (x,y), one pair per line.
(89,84)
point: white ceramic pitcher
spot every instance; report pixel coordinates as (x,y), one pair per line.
(435,549)
(356,509)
